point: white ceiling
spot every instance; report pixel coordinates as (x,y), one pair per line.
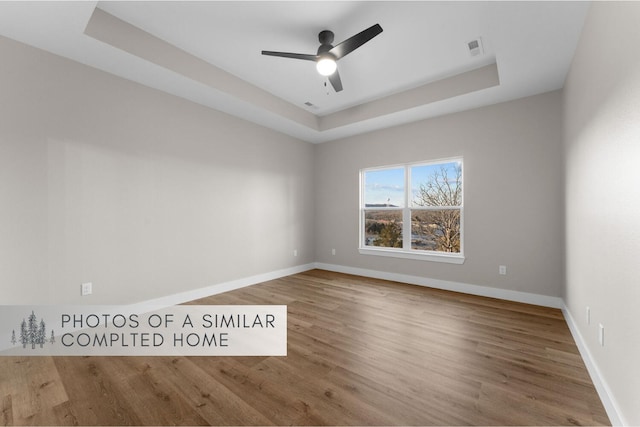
(390,78)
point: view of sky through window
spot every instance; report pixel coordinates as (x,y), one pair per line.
(386,186)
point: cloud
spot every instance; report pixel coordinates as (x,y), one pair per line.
(385,187)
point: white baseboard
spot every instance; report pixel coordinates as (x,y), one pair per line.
(608,401)
(219,288)
(505,294)
(485,291)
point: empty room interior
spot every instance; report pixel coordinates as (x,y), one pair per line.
(443,196)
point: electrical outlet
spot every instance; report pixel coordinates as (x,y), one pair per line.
(295,252)
(588,313)
(601,334)
(86,289)
(502,270)
(333,251)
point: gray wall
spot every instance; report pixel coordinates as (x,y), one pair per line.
(136,191)
(602,143)
(512,186)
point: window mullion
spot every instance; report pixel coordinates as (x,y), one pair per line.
(406,228)
(406,213)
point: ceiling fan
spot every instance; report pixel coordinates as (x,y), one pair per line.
(328,54)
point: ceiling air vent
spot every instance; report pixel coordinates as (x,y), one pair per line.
(310,105)
(475,47)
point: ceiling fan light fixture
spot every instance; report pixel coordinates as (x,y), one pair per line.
(326,65)
(327,54)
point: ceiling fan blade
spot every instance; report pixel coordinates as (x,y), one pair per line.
(291,55)
(352,43)
(335,81)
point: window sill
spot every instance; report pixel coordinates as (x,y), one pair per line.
(429,256)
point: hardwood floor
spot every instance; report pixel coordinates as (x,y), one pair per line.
(360,352)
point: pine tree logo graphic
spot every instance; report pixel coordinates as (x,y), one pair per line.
(32,332)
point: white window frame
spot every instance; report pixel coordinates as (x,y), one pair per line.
(406,251)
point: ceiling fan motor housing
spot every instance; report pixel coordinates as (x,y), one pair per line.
(325,37)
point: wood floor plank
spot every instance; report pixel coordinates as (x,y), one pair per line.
(360,352)
(272,400)
(7,411)
(94,397)
(216,404)
(34,389)
(328,403)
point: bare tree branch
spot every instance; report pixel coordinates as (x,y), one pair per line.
(441,226)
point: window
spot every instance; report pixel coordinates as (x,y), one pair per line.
(413,211)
